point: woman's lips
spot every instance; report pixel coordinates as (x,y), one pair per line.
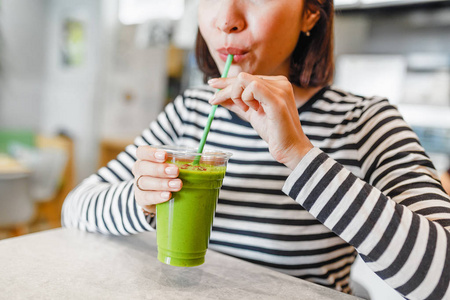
(239,54)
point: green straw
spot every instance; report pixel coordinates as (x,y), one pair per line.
(212,112)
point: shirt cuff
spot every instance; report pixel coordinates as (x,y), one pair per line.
(292,184)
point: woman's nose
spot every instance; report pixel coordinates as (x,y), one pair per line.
(230,18)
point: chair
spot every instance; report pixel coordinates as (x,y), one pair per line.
(49,208)
(16,205)
(51,165)
(35,178)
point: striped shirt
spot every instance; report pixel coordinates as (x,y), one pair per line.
(367,186)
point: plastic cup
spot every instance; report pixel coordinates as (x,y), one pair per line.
(183,224)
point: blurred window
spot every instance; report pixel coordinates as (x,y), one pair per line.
(140,11)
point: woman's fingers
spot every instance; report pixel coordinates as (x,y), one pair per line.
(253,94)
(250,91)
(151,154)
(162,170)
(155,180)
(235,95)
(150,191)
(147,183)
(221,83)
(147,199)
(223,97)
(274,78)
(264,89)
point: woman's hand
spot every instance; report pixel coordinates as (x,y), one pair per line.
(268,103)
(154,179)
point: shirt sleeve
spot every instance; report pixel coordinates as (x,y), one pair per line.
(104,202)
(396,215)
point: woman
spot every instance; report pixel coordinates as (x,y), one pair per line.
(315,174)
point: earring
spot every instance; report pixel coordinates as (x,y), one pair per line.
(308,33)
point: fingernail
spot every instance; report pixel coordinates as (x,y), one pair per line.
(171,170)
(212,80)
(160,155)
(165,195)
(174,183)
(211,101)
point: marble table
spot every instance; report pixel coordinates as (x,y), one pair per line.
(70,264)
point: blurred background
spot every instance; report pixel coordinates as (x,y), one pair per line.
(79,79)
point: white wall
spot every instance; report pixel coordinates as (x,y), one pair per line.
(135,81)
(69,100)
(389,31)
(22,48)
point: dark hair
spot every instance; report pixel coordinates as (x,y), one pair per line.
(312,62)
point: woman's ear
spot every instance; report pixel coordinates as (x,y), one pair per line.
(310,19)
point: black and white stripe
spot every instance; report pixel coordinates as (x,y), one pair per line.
(367,185)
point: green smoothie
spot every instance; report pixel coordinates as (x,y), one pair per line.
(184,223)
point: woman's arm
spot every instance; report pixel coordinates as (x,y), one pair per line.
(105,201)
(445,179)
(397,216)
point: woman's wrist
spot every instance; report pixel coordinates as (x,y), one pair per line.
(296,155)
